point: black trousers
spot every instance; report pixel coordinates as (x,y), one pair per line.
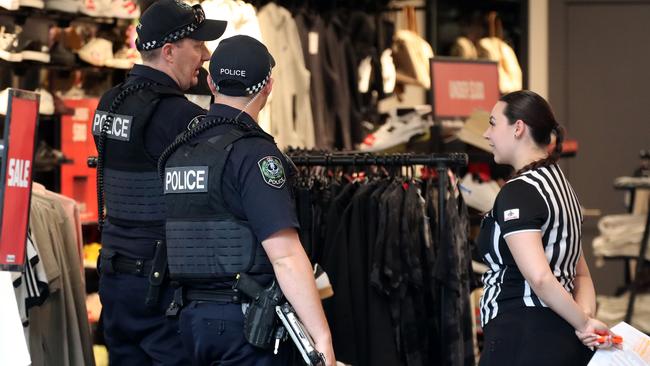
(530,337)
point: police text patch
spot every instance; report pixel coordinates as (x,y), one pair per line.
(120,130)
(186,179)
(272,171)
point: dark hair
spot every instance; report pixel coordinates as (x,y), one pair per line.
(536,113)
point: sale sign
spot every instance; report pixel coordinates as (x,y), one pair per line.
(460,87)
(20,126)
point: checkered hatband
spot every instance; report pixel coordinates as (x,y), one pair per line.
(259,86)
(177,34)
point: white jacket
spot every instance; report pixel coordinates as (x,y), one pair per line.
(291,120)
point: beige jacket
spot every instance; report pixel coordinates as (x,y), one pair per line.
(291,121)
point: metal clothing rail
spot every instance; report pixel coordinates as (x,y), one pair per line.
(440,161)
(309,158)
(632,183)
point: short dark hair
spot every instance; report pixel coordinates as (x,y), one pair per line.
(150,55)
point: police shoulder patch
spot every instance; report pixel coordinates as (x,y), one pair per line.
(272,171)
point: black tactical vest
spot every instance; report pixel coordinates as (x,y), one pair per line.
(132,186)
(205,242)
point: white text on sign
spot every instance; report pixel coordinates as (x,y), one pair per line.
(466,89)
(18,174)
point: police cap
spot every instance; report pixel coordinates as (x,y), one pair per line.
(167,21)
(240,66)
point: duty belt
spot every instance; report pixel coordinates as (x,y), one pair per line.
(155,269)
(222,296)
(139,267)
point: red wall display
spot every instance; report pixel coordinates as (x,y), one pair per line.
(78,181)
(16,173)
(459,87)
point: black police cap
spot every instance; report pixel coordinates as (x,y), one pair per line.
(167,21)
(240,66)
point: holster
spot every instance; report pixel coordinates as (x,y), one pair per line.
(158,273)
(260,320)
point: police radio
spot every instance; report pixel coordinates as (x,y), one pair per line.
(299,335)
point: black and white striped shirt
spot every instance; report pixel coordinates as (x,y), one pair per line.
(538,200)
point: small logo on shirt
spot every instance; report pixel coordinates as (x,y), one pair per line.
(511,214)
(272,171)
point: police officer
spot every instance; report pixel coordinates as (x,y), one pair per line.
(229,211)
(134,122)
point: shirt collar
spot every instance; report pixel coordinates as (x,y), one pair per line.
(226,111)
(154,75)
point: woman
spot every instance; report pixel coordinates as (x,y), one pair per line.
(539,299)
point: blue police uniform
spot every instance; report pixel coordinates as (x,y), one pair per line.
(212,331)
(136,333)
(133,124)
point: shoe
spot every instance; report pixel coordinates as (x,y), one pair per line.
(48,158)
(39,4)
(59,55)
(125,9)
(75,92)
(66,6)
(400,128)
(323,283)
(46,105)
(124,59)
(10,4)
(34,50)
(8,46)
(96,8)
(60,108)
(25,48)
(96,52)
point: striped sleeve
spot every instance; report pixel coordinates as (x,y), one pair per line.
(520,207)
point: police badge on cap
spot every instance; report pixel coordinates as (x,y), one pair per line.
(272,171)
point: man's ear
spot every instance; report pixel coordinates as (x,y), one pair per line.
(167,52)
(268,87)
(213,88)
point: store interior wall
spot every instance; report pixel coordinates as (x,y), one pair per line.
(538,47)
(598,85)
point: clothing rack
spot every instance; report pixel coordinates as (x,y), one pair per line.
(632,184)
(441,162)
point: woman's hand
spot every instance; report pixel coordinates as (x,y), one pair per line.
(592,330)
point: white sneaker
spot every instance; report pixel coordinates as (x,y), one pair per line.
(10,4)
(125,9)
(397,130)
(96,8)
(323,283)
(39,4)
(8,44)
(97,51)
(125,58)
(46,105)
(67,6)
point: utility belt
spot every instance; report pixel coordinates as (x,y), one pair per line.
(221,296)
(155,269)
(269,319)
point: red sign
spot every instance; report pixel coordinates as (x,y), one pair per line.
(459,87)
(78,181)
(17,164)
